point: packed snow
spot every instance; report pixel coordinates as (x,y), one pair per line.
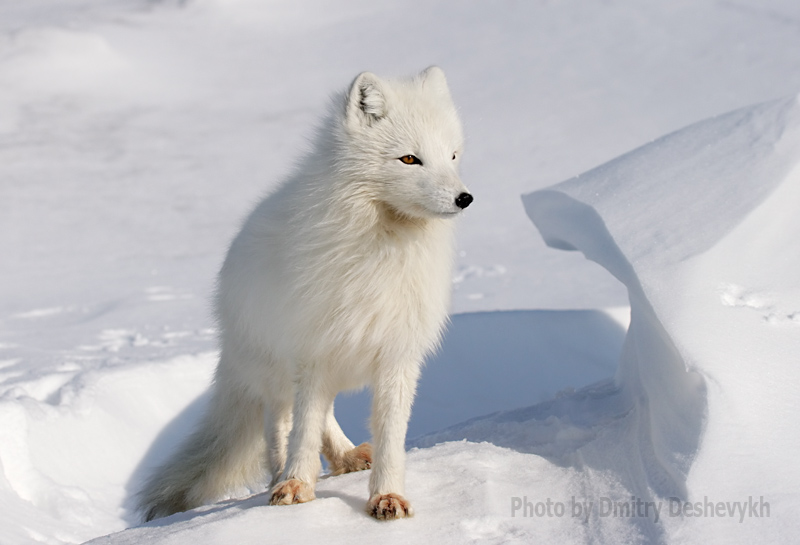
(639,389)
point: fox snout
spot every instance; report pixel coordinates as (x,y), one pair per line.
(463,200)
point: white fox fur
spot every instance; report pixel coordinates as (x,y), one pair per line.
(339,279)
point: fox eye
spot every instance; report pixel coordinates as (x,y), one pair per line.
(454,156)
(410,160)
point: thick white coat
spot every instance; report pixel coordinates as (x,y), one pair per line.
(339,279)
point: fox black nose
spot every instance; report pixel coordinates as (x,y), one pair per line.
(463,200)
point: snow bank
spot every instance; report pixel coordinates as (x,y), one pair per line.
(70,444)
(461,492)
(701,226)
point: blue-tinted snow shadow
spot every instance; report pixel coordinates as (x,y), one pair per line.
(498,361)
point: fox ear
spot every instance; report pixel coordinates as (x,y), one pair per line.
(366,101)
(433,78)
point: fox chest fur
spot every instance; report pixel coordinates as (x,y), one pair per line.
(340,291)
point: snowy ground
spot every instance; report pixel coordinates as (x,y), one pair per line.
(135,135)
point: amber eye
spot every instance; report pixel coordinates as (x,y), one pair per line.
(410,160)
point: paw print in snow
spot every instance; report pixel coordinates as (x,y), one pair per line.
(733,295)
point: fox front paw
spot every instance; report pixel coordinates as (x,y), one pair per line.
(389,506)
(291,491)
(357,459)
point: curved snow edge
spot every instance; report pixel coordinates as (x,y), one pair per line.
(666,399)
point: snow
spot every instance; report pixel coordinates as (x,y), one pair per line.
(135,136)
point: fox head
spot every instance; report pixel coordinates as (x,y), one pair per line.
(404,142)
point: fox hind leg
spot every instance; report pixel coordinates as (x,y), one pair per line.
(311,403)
(342,455)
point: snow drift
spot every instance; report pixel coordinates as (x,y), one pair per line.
(691,224)
(697,225)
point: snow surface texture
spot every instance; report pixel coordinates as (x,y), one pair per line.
(699,376)
(135,135)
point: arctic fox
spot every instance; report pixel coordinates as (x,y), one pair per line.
(339,279)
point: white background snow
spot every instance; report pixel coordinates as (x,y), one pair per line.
(135,135)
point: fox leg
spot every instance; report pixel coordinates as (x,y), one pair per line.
(311,403)
(342,455)
(393,394)
(278,424)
